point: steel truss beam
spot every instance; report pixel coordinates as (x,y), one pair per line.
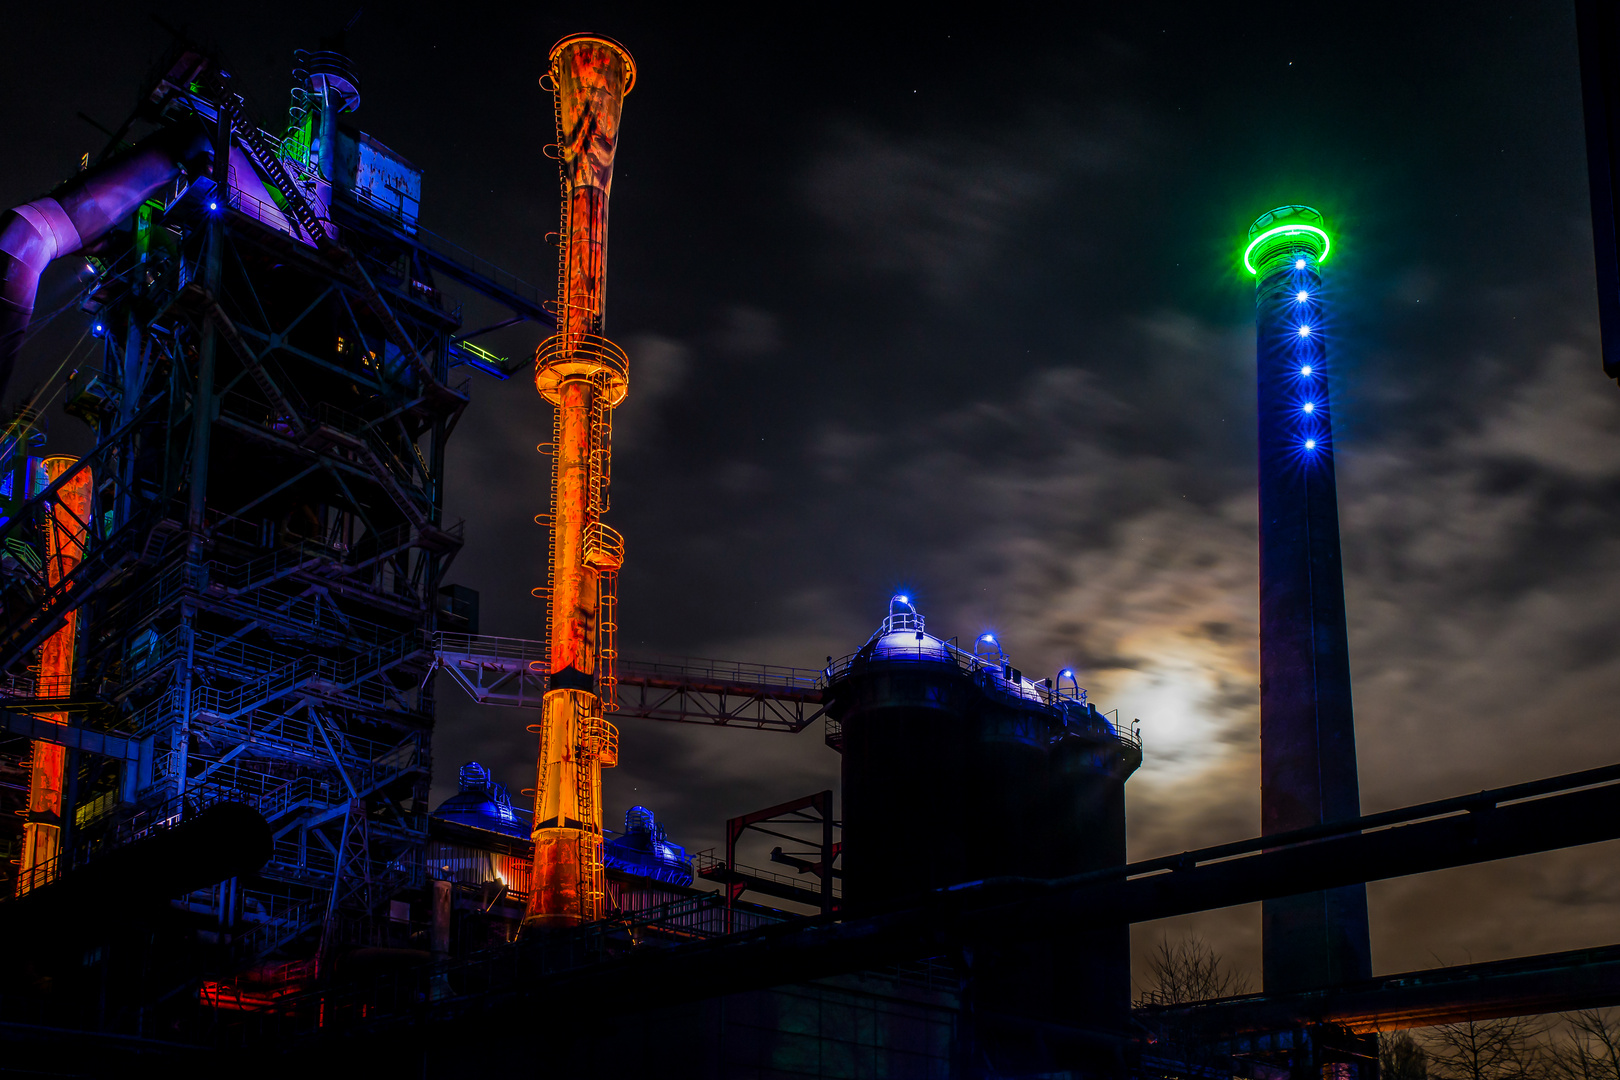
(510,672)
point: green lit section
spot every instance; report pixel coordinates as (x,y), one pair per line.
(1292,229)
(483,354)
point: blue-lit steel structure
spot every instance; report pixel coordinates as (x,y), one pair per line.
(266,543)
(1307,727)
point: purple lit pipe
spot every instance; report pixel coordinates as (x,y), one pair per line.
(77,215)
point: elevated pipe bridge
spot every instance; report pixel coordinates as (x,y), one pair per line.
(511,672)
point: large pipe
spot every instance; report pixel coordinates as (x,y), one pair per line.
(65,535)
(78,214)
(1307,727)
(584,376)
(135,881)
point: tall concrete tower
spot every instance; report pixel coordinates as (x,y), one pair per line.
(1307,728)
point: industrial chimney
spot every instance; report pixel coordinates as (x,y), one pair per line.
(1307,729)
(584,376)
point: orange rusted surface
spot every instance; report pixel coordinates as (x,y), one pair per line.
(591,76)
(64,550)
(574,600)
(584,376)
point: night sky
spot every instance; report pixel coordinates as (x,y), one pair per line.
(955,307)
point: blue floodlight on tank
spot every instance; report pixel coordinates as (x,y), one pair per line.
(646,851)
(481,803)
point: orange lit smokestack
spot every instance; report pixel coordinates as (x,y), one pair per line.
(584,376)
(64,549)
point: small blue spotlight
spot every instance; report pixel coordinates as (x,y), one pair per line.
(903,599)
(1309,406)
(1304,331)
(1306,370)
(1299,264)
(991,638)
(1303,296)
(1067,673)
(98,328)
(1310,444)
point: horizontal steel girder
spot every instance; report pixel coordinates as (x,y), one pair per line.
(511,672)
(1523,986)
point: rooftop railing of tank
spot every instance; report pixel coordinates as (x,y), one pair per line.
(992,673)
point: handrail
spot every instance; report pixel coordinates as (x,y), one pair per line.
(735,672)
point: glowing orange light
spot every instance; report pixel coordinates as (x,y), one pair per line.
(64,546)
(584,376)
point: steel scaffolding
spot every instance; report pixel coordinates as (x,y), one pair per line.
(265,541)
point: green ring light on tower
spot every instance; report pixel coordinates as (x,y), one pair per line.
(1287,227)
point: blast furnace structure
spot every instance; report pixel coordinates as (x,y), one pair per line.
(231,597)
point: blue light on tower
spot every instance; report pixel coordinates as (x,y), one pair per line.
(1307,730)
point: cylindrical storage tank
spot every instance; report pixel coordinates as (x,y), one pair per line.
(905,773)
(956,768)
(1090,966)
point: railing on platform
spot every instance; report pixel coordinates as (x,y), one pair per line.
(993,674)
(712,867)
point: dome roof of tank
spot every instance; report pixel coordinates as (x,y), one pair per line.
(481,803)
(646,851)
